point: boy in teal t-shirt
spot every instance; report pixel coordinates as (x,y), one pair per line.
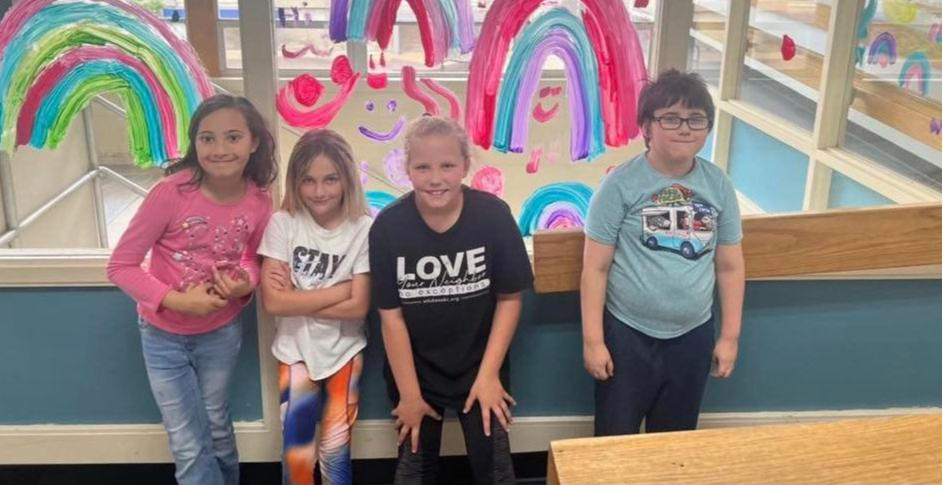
(662,230)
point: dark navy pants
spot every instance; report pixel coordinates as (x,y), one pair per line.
(659,380)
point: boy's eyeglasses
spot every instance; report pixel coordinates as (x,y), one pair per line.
(672,122)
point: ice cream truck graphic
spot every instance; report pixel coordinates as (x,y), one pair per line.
(687,229)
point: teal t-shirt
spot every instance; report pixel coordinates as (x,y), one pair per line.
(664,231)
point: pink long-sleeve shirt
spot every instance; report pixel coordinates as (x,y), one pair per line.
(187,235)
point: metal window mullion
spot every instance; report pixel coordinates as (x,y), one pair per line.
(98,197)
(260,78)
(731,71)
(670,33)
(9,196)
(831,111)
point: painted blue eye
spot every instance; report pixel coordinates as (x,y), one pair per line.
(391,105)
(369,106)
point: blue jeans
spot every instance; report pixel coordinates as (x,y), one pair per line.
(190,377)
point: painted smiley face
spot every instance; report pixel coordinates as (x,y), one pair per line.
(544,115)
(390,134)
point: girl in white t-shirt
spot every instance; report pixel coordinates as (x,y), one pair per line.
(316,282)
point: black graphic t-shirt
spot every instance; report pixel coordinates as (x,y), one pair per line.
(446,285)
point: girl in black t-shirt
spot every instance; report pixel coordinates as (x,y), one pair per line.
(449,267)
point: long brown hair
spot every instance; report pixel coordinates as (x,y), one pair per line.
(262,167)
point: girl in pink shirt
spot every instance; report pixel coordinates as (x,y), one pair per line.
(202,224)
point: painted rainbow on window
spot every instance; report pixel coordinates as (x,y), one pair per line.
(377,200)
(444,25)
(883,50)
(915,73)
(55,56)
(605,70)
(555,206)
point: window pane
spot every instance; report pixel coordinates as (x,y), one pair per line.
(706,44)
(302,41)
(786,45)
(231,45)
(643,19)
(776,180)
(119,201)
(846,193)
(895,113)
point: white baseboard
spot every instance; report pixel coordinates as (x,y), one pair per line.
(82,444)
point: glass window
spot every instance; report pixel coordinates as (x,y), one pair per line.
(785,54)
(767,171)
(894,118)
(706,43)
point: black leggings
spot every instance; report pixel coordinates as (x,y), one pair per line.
(490,457)
(659,380)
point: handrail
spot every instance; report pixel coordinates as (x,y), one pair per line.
(811,243)
(35,215)
(91,175)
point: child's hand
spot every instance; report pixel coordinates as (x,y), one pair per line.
(229,288)
(493,399)
(194,300)
(409,414)
(597,361)
(725,356)
(280,277)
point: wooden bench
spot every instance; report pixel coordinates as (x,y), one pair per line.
(880,450)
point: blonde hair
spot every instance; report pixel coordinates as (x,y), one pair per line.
(333,146)
(437,126)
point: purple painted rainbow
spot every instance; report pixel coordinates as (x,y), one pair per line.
(883,50)
(555,206)
(603,62)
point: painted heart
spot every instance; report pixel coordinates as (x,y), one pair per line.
(341,71)
(788,48)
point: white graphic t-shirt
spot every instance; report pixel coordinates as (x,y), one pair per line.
(318,259)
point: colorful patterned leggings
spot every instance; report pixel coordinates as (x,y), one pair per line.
(332,401)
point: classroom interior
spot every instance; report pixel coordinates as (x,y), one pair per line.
(828,121)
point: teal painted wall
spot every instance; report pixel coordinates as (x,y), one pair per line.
(72,356)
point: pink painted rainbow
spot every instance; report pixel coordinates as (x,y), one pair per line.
(915,73)
(603,85)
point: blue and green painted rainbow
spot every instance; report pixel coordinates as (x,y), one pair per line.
(56,55)
(915,73)
(377,200)
(555,206)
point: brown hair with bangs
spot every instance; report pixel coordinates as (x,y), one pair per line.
(333,146)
